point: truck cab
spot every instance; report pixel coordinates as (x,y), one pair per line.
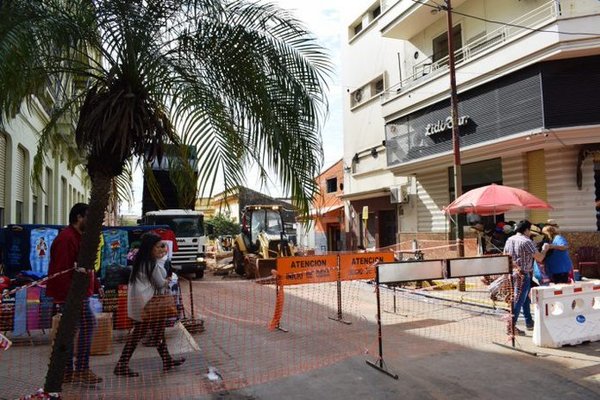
(188,226)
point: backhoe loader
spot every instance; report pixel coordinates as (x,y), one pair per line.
(261,241)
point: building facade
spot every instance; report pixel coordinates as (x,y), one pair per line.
(529,110)
(325,230)
(232,202)
(22,202)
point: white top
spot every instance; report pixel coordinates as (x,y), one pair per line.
(141,291)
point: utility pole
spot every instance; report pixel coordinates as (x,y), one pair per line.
(455,133)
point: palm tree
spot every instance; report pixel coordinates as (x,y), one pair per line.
(241,81)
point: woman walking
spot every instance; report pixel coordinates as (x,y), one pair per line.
(148,277)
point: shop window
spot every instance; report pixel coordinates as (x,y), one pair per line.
(18,212)
(332,185)
(49,197)
(34,205)
(21,185)
(64,193)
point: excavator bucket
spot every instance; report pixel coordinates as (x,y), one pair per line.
(265,266)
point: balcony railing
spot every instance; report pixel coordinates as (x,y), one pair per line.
(428,68)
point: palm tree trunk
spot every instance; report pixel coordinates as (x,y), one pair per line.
(87,256)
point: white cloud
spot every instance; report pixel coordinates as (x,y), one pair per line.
(323,19)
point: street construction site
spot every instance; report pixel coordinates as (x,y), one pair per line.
(333,326)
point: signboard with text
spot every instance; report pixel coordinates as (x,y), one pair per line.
(310,269)
(357,266)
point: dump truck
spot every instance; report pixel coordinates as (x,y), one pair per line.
(188,226)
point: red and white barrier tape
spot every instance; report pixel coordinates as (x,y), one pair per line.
(41,281)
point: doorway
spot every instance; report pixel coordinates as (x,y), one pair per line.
(387,228)
(333,237)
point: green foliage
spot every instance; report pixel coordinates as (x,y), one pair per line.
(223,225)
(240,81)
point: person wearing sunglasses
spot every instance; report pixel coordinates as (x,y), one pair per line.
(148,277)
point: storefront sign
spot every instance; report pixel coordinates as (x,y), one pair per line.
(441,126)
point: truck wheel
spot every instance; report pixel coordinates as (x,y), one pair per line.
(200,274)
(238,261)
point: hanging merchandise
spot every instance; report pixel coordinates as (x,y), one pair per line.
(46,305)
(168,236)
(134,234)
(122,319)
(4,283)
(116,275)
(17,249)
(39,255)
(116,246)
(98,262)
(33,308)
(27,248)
(20,319)
(7,313)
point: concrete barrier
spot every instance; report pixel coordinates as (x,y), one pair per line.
(566,314)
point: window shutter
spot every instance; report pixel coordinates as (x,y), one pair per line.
(536,166)
(2,170)
(20,176)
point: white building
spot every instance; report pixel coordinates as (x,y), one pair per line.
(528,77)
(21,202)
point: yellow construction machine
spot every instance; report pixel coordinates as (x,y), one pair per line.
(261,241)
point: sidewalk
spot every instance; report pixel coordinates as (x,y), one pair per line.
(494,373)
(437,355)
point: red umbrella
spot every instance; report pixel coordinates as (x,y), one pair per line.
(494,199)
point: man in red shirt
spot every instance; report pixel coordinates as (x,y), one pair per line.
(63,257)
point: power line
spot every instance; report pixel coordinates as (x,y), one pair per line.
(491,21)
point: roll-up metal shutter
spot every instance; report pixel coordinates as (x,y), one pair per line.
(20,176)
(514,173)
(2,170)
(536,174)
(432,189)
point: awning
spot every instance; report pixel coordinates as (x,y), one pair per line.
(368,194)
(325,210)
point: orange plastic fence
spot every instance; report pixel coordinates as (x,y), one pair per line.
(232,341)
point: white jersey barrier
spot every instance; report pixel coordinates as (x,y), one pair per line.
(566,314)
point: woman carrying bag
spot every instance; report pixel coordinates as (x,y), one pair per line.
(149,303)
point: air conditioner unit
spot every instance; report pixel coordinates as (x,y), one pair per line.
(358,95)
(399,195)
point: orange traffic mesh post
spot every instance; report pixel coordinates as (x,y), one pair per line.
(274,324)
(236,348)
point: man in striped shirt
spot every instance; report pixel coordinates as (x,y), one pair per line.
(522,250)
